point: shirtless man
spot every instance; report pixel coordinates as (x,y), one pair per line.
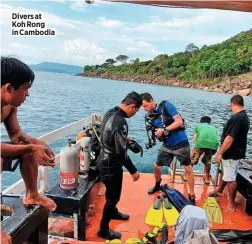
(16,79)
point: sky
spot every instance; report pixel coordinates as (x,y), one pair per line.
(88,34)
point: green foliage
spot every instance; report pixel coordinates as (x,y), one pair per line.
(231,57)
(191,48)
(110,61)
(122,58)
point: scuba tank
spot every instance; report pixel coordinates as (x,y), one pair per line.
(84,153)
(69,166)
(89,151)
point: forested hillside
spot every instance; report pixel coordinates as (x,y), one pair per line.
(231,57)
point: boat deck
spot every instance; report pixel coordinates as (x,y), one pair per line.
(136,202)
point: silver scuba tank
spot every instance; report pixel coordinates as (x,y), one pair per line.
(69,166)
(84,153)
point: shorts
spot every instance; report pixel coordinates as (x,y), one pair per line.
(166,155)
(197,152)
(10,163)
(229,168)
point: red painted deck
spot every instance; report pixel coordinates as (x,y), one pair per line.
(136,202)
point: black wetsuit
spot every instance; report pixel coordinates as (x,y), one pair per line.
(113,156)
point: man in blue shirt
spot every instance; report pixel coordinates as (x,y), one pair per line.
(169,126)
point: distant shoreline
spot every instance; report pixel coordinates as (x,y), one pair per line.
(241,84)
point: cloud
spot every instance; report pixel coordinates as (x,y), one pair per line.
(175,23)
(142,49)
(208,40)
(17,45)
(100,2)
(59,1)
(27,53)
(196,39)
(51,19)
(81,5)
(109,23)
(82,50)
(119,38)
(78,5)
(82,39)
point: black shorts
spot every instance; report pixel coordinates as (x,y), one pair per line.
(10,163)
(166,155)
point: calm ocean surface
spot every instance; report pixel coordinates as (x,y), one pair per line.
(59,99)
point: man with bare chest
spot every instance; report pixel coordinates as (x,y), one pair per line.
(16,79)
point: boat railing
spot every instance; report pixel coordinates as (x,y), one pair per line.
(18,188)
(173,171)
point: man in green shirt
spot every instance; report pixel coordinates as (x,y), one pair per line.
(206,143)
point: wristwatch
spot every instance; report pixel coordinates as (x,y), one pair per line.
(166,132)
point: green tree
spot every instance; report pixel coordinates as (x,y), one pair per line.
(122,58)
(231,57)
(203,47)
(110,61)
(191,48)
(136,61)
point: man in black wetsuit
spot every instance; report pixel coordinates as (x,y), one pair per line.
(113,156)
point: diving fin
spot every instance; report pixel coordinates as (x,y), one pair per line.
(178,200)
(171,214)
(213,210)
(154,215)
(133,240)
(118,241)
(226,235)
(167,204)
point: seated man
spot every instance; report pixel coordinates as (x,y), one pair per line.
(16,79)
(206,143)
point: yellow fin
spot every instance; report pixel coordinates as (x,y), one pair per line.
(171,215)
(133,240)
(213,210)
(154,217)
(114,241)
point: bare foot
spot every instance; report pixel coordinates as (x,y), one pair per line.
(184,177)
(5,238)
(215,193)
(206,180)
(41,200)
(230,208)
